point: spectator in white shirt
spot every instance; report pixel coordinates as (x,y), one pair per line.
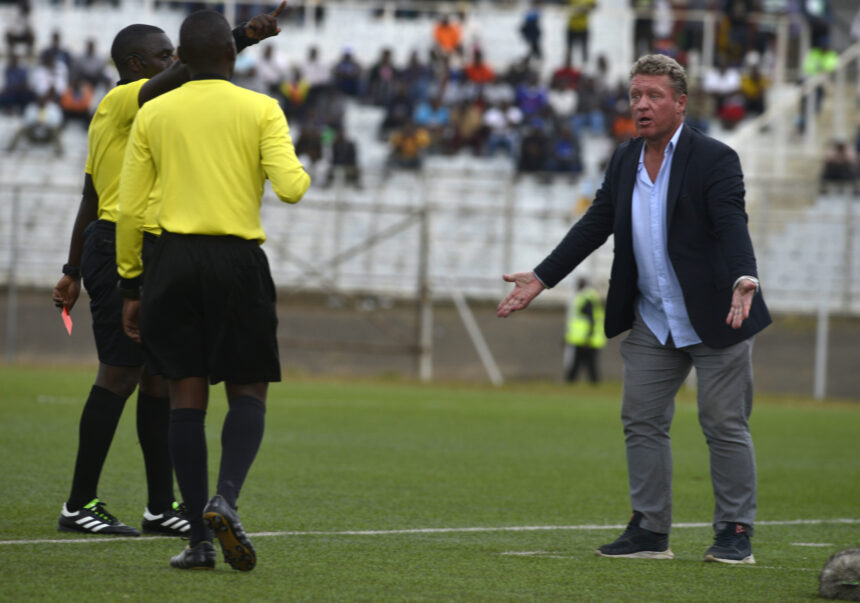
(502,121)
(271,70)
(43,120)
(722,82)
(50,75)
(317,75)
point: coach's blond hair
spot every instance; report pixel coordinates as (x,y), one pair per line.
(660,64)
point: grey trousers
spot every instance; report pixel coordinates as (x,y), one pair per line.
(653,374)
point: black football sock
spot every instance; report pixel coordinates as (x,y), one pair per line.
(240,439)
(187,437)
(153,422)
(98,424)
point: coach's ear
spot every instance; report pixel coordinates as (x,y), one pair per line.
(181,55)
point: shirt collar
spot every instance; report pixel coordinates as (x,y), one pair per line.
(209,76)
(670,148)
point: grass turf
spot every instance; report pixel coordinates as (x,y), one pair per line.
(387,456)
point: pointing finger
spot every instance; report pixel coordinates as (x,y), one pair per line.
(278,10)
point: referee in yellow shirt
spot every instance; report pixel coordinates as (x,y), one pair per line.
(207,313)
(144,56)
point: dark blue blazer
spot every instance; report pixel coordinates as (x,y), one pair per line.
(707,237)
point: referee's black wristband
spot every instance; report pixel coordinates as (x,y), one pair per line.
(72,271)
(241,39)
(129,288)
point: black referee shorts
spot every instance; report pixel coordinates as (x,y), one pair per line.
(98,269)
(208,310)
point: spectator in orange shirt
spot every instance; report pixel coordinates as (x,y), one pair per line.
(623,127)
(447,35)
(77,100)
(478,72)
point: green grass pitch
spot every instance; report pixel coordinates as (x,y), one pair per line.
(386,491)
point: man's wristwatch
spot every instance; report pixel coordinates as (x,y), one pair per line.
(129,288)
(72,271)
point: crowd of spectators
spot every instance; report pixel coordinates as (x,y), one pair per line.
(49,88)
(450,100)
(446,100)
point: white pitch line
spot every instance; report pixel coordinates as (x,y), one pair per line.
(583,527)
(548,555)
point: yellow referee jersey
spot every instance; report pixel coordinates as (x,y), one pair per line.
(107,136)
(212,144)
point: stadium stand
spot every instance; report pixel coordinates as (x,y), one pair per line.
(482,214)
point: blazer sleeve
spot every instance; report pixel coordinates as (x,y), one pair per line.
(724,194)
(588,233)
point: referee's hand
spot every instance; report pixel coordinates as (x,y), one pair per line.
(131,318)
(66,292)
(265,25)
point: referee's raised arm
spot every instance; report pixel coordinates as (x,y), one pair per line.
(248,33)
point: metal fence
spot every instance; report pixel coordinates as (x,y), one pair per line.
(449,235)
(480,224)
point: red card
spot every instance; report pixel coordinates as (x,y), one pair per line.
(67,320)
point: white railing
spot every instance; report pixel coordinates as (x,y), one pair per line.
(776,124)
(479,227)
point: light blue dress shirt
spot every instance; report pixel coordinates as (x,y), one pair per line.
(661,302)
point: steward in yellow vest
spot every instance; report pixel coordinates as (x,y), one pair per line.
(585,331)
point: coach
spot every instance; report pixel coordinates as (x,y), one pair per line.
(673,199)
(207,312)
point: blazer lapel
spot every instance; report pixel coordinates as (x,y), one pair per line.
(679,165)
(627,177)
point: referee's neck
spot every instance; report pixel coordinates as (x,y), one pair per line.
(209,76)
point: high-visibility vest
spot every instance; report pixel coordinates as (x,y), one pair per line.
(819,60)
(580,331)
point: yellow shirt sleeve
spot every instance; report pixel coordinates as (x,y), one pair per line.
(107,136)
(136,182)
(278,156)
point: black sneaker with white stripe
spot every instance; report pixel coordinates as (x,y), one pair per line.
(93,518)
(637,543)
(172,522)
(731,545)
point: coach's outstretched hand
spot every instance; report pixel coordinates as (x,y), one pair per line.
(66,292)
(741,302)
(131,318)
(265,25)
(526,288)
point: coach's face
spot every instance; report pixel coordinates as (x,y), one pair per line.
(656,109)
